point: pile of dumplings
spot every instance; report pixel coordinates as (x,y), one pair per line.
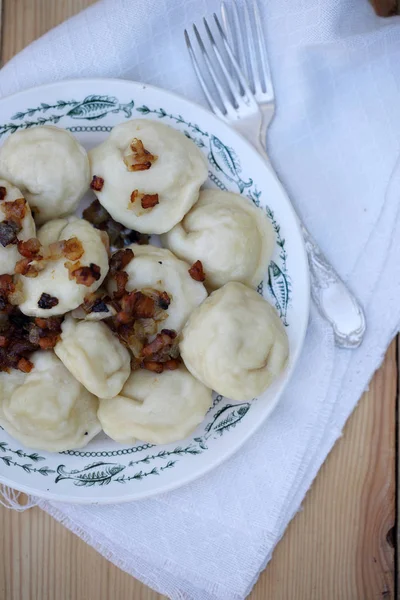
(129,338)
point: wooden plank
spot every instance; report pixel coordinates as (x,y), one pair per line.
(339,546)
(336,548)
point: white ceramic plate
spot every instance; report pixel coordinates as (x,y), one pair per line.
(105,471)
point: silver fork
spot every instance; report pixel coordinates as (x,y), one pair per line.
(246,102)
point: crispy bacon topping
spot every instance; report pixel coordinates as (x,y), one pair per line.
(119,236)
(46,301)
(30,249)
(120,259)
(8,233)
(140,159)
(29,268)
(71,249)
(196,271)
(83,275)
(163,340)
(121,279)
(21,335)
(151,365)
(25,365)
(164,300)
(97,183)
(15,210)
(3,192)
(149,200)
(146,200)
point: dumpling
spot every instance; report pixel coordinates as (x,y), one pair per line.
(159,269)
(147,175)
(47,408)
(16,223)
(63,282)
(235,343)
(232,238)
(49,166)
(94,356)
(158,409)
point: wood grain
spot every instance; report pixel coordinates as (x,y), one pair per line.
(337,548)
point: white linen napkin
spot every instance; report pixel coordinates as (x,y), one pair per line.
(334,143)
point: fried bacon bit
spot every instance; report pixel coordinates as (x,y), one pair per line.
(138,304)
(29,268)
(29,249)
(172,364)
(161,341)
(151,365)
(46,301)
(146,200)
(25,365)
(49,341)
(50,323)
(120,259)
(97,183)
(15,210)
(21,335)
(140,159)
(3,192)
(149,200)
(7,289)
(196,271)
(164,300)
(119,236)
(121,279)
(6,284)
(83,275)
(71,249)
(134,196)
(8,233)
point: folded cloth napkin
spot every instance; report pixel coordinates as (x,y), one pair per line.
(334,143)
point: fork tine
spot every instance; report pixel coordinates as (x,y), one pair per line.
(232,85)
(265,74)
(213,105)
(226,103)
(252,56)
(239,41)
(248,94)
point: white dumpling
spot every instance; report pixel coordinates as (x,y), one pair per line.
(94,356)
(159,269)
(178,170)
(54,279)
(158,409)
(49,166)
(47,408)
(231,236)
(9,254)
(235,343)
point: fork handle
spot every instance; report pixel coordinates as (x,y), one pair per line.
(334,300)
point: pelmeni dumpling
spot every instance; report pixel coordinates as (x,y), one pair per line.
(94,356)
(49,166)
(158,409)
(47,408)
(53,292)
(235,343)
(143,158)
(159,269)
(13,204)
(231,236)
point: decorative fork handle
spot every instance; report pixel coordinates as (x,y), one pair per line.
(334,300)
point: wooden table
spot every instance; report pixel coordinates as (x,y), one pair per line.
(340,547)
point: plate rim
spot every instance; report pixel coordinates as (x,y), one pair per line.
(210,466)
